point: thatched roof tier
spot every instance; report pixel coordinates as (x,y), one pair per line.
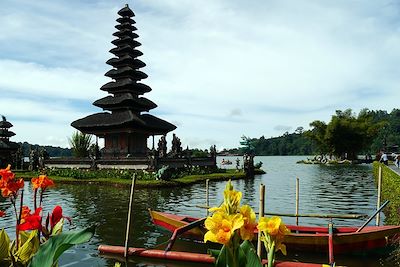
(125,32)
(126,40)
(126,50)
(125,101)
(126,60)
(5,124)
(126,12)
(126,121)
(125,26)
(126,85)
(6,133)
(126,19)
(126,72)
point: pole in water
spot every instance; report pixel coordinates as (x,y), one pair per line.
(372,216)
(261,214)
(128,222)
(297,201)
(207,201)
(378,202)
(330,244)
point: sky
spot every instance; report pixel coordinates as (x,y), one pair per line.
(219,69)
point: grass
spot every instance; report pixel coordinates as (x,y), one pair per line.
(123,182)
(390,191)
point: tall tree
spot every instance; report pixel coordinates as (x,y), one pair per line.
(346,134)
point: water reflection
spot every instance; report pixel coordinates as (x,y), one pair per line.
(323,189)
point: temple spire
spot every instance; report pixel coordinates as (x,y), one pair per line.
(125,103)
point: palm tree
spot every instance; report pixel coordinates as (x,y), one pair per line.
(80,144)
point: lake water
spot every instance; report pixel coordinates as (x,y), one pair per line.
(323,189)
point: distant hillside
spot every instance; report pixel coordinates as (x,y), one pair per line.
(52,150)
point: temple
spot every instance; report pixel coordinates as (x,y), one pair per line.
(7,147)
(125,125)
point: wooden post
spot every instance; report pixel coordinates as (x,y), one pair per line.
(207,201)
(330,244)
(128,223)
(378,203)
(297,201)
(261,214)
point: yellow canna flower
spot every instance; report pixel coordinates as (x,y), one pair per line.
(231,199)
(270,225)
(283,230)
(250,224)
(221,227)
(281,247)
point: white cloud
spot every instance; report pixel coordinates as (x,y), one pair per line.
(218,69)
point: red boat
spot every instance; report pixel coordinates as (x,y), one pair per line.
(305,238)
(186,257)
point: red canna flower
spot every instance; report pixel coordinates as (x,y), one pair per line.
(41,182)
(31,221)
(2,213)
(26,211)
(11,186)
(56,216)
(6,174)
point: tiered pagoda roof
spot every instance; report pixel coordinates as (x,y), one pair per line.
(125,102)
(5,134)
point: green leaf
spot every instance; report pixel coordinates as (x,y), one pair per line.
(4,245)
(58,227)
(222,257)
(213,252)
(50,251)
(242,257)
(23,237)
(28,249)
(251,255)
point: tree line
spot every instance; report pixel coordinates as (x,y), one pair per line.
(346,135)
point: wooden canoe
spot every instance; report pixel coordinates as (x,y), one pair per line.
(371,239)
(187,257)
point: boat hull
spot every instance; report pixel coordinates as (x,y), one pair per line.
(185,256)
(305,238)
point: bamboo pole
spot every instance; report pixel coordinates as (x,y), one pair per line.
(316,215)
(207,193)
(297,201)
(261,214)
(128,223)
(378,202)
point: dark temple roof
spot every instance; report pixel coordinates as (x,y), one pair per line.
(125,120)
(124,102)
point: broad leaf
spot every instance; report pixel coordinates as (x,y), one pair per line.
(222,257)
(242,257)
(213,252)
(251,255)
(50,251)
(4,245)
(23,237)
(28,249)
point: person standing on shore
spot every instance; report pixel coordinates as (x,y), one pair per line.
(384,158)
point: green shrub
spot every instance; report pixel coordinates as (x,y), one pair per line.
(108,173)
(390,191)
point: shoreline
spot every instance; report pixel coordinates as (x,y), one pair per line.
(119,182)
